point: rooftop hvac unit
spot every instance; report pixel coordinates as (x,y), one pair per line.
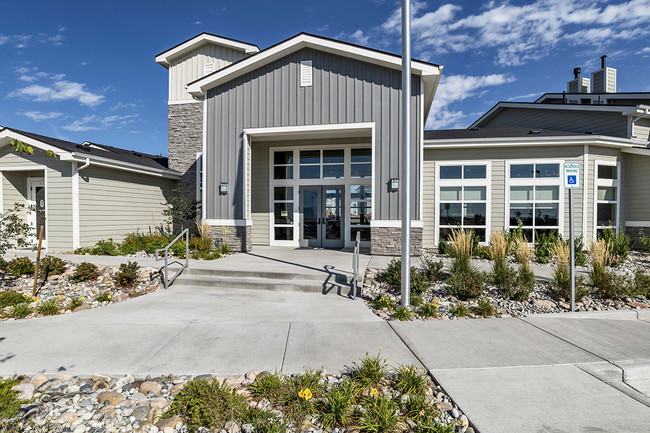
(579,85)
(604,79)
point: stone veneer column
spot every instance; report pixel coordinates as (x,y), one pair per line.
(387,241)
(185,141)
(238,238)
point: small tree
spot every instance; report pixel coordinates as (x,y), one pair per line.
(180,208)
(14,231)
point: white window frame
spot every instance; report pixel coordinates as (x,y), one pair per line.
(610,183)
(296,183)
(199,177)
(487,182)
(535,181)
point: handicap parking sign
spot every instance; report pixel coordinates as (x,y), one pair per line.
(572,179)
(571,174)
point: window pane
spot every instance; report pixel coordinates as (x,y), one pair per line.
(310,156)
(547,170)
(365,233)
(521,171)
(546,214)
(450,193)
(450,172)
(528,235)
(283,157)
(283,213)
(361,192)
(521,212)
(474,172)
(547,193)
(361,155)
(480,233)
(332,171)
(546,231)
(310,171)
(450,214)
(445,233)
(360,213)
(607,193)
(606,214)
(282,193)
(283,233)
(333,156)
(283,172)
(521,193)
(474,214)
(607,172)
(475,193)
(361,170)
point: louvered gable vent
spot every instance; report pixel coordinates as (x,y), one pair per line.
(305,73)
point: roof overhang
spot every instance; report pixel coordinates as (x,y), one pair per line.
(635,111)
(310,132)
(166,57)
(429,72)
(63,155)
(507,142)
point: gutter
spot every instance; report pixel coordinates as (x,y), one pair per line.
(126,166)
(597,140)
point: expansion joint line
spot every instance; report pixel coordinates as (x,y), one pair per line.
(286,344)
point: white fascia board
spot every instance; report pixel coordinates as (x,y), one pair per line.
(643,151)
(284,130)
(596,140)
(125,166)
(200,87)
(61,154)
(166,57)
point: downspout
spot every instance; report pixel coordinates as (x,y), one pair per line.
(76,240)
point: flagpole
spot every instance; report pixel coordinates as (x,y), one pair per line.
(406,143)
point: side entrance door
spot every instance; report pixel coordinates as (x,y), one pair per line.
(321,211)
(36,206)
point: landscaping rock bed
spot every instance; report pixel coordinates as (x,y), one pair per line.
(102,404)
(70,296)
(539,301)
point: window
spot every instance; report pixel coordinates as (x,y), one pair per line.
(283,213)
(462,193)
(360,211)
(361,163)
(283,165)
(534,192)
(607,195)
(322,164)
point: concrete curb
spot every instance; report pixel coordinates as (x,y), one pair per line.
(641,314)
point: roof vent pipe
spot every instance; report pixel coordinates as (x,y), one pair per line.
(603,62)
(576,72)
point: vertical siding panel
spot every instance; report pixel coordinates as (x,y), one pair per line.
(325,98)
(316,92)
(309,91)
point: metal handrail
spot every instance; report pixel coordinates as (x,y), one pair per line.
(355,266)
(165,277)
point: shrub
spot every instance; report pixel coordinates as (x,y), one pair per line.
(49,308)
(337,406)
(132,243)
(579,249)
(444,247)
(223,248)
(21,310)
(9,401)
(8,299)
(543,245)
(154,242)
(127,275)
(264,421)
(524,284)
(410,380)
(178,249)
(380,414)
(459,310)
(209,404)
(483,252)
(3,264)
(560,287)
(393,276)
(618,245)
(462,246)
(20,266)
(428,309)
(432,269)
(103,297)
(85,271)
(51,265)
(381,302)
(372,371)
(300,391)
(612,286)
(503,276)
(420,410)
(513,236)
(465,285)
(641,283)
(200,244)
(484,308)
(403,313)
(416,301)
(74,303)
(105,248)
(645,240)
(267,386)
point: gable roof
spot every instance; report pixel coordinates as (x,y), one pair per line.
(167,56)
(100,153)
(430,72)
(451,134)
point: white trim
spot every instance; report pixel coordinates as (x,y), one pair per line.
(607,183)
(637,151)
(204,146)
(420,215)
(395,223)
(60,153)
(198,193)
(183,101)
(229,222)
(166,57)
(31,200)
(637,223)
(626,144)
(585,188)
(23,167)
(487,182)
(200,87)
(281,130)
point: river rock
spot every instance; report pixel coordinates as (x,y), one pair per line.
(111,397)
(26,390)
(150,386)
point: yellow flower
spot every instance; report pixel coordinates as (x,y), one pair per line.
(373,392)
(109,296)
(435,304)
(305,393)
(37,300)
(82,298)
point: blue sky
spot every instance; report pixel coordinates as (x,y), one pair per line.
(85,70)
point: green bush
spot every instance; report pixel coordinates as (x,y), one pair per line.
(9,401)
(300,393)
(403,313)
(210,255)
(432,269)
(465,285)
(336,409)
(420,410)
(21,310)
(503,276)
(223,248)
(209,404)
(645,240)
(523,286)
(127,275)
(544,242)
(483,252)
(20,266)
(85,272)
(380,415)
(51,265)
(381,302)
(201,244)
(267,386)
(459,310)
(3,264)
(371,372)
(410,380)
(611,285)
(560,287)
(484,308)
(178,249)
(512,236)
(392,275)
(104,297)
(132,243)
(74,303)
(619,246)
(105,248)
(8,299)
(264,421)
(154,242)
(49,308)
(641,284)
(429,309)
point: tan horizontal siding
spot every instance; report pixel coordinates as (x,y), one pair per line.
(638,187)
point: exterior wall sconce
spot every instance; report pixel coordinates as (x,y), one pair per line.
(394,184)
(223,188)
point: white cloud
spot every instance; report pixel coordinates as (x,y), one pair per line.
(197,23)
(3,39)
(96,123)
(525,32)
(455,88)
(37,116)
(60,90)
(359,37)
(122,105)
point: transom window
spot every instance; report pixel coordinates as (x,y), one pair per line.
(462,192)
(607,201)
(322,164)
(534,191)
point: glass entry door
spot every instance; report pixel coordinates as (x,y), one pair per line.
(321,209)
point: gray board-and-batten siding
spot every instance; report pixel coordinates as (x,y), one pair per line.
(344,90)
